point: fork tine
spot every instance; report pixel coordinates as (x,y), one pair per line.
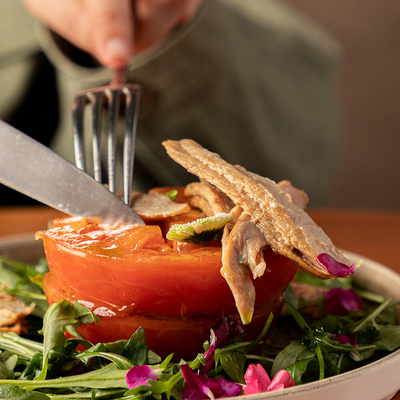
(112,115)
(111,99)
(77,131)
(131,112)
(97,116)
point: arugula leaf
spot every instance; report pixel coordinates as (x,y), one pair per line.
(233,364)
(390,338)
(290,355)
(321,363)
(124,352)
(25,282)
(58,317)
(92,394)
(299,368)
(136,349)
(371,317)
(107,377)
(300,320)
(14,392)
(23,347)
(290,296)
(33,368)
(362,355)
(120,361)
(8,362)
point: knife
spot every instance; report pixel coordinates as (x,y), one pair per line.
(36,171)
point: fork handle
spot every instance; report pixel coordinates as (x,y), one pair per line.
(119,76)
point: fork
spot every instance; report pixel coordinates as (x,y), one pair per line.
(110,99)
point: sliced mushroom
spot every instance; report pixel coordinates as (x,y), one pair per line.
(156,206)
(12,311)
(208,198)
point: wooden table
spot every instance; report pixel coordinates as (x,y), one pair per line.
(373,234)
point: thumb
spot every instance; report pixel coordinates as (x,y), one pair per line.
(111,30)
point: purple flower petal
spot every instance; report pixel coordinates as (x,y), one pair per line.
(228,389)
(198,386)
(348,338)
(193,394)
(336,268)
(209,355)
(138,376)
(226,329)
(339,302)
(201,387)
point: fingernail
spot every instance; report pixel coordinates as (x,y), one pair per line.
(117,48)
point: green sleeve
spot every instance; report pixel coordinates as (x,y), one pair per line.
(18,49)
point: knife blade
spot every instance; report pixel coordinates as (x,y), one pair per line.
(36,171)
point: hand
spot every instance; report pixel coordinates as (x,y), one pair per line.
(112,30)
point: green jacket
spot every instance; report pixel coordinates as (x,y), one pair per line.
(251,80)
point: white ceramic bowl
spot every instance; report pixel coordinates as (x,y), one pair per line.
(379,380)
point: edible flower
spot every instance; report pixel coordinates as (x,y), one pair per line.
(346,338)
(199,387)
(339,302)
(209,355)
(226,329)
(200,231)
(139,376)
(335,267)
(258,381)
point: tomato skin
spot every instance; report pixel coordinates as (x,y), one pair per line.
(132,278)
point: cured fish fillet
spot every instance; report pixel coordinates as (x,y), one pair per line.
(287,228)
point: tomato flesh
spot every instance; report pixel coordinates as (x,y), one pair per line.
(131,277)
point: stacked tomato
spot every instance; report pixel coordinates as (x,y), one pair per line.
(132,277)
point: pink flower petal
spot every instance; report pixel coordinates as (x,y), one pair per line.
(209,355)
(201,387)
(281,380)
(254,386)
(138,376)
(339,301)
(257,379)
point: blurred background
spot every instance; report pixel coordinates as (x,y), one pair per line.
(369,33)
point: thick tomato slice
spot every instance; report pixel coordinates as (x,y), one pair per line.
(130,277)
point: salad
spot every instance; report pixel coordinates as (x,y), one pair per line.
(326,328)
(229,288)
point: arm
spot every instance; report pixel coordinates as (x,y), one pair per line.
(113,30)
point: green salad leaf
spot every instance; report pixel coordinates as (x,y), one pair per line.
(25,281)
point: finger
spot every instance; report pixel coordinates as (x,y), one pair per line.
(67,18)
(111,30)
